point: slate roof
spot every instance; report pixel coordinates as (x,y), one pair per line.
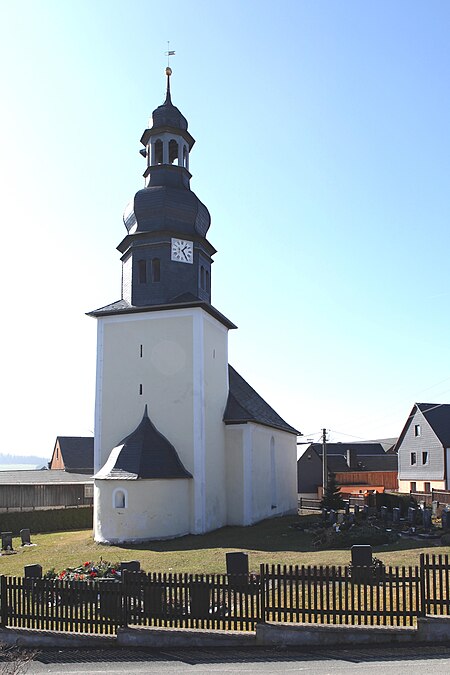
(77,453)
(244,404)
(341,448)
(145,453)
(438,417)
(384,462)
(42,477)
(184,300)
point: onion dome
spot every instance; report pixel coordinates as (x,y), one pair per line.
(145,453)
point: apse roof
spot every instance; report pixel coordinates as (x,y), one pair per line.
(145,453)
(244,404)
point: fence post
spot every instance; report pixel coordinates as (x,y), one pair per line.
(4,602)
(422,581)
(263,593)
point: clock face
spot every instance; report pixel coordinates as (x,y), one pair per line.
(182,251)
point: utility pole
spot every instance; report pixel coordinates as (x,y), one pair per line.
(324,461)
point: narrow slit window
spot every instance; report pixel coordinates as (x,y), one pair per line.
(425,457)
(208,282)
(142,271)
(140,389)
(417,430)
(141,351)
(413,458)
(156,270)
(202,277)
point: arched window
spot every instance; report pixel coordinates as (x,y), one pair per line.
(142,271)
(202,277)
(185,156)
(173,152)
(120,499)
(156,269)
(273,474)
(158,152)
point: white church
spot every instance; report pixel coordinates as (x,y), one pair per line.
(182,443)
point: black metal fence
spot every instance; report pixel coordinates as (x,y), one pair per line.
(386,596)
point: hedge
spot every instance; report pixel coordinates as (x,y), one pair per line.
(49,520)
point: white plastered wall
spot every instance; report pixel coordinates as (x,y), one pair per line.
(183,376)
(155,509)
(258,486)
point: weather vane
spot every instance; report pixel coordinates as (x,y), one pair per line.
(169,53)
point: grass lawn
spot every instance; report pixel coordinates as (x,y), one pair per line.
(272,541)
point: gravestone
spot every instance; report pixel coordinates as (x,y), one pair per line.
(350,519)
(33,571)
(445,519)
(130,566)
(384,514)
(434,508)
(427,519)
(7,541)
(396,515)
(25,536)
(365,510)
(356,509)
(347,509)
(411,515)
(361,555)
(340,518)
(237,563)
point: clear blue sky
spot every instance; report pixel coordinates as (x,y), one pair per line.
(322,153)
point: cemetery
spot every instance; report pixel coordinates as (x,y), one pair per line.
(104,597)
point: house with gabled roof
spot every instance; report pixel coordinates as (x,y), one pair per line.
(357,467)
(74,454)
(423,449)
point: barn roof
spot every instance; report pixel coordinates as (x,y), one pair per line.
(77,453)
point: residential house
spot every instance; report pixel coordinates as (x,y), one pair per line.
(74,454)
(423,449)
(357,466)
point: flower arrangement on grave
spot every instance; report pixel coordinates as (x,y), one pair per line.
(88,571)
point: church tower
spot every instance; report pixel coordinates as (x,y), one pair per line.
(182,443)
(162,359)
(165,255)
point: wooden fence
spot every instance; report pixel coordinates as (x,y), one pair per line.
(380,596)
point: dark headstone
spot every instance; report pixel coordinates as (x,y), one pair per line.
(237,563)
(130,566)
(365,510)
(332,517)
(25,536)
(427,519)
(445,519)
(7,541)
(396,515)
(411,515)
(361,555)
(347,509)
(33,571)
(384,513)
(356,509)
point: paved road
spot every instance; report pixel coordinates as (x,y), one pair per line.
(399,661)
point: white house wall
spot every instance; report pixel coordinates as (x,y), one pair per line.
(155,509)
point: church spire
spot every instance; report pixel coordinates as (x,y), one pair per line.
(168,98)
